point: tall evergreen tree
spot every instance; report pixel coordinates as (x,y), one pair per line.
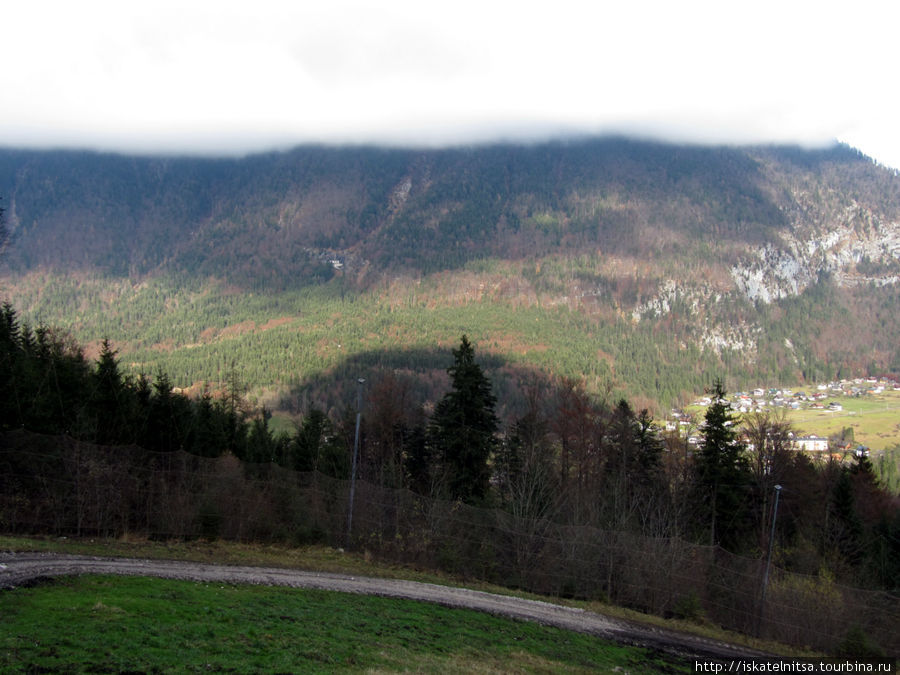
(722,476)
(235,409)
(55,383)
(462,428)
(634,474)
(316,447)
(168,417)
(622,453)
(844,534)
(650,450)
(620,450)
(210,437)
(10,358)
(260,446)
(110,398)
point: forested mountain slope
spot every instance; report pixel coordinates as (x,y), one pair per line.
(640,267)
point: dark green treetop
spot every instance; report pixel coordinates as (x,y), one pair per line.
(462,428)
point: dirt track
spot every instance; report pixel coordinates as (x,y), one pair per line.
(17,569)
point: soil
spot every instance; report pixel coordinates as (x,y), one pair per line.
(26,569)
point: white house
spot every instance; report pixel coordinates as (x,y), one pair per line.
(811,443)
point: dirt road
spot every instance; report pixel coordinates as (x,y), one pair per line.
(18,569)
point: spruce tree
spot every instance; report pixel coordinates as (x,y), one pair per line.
(462,428)
(722,476)
(650,449)
(260,446)
(208,429)
(110,398)
(845,528)
(316,447)
(10,358)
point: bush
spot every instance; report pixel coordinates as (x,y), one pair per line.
(688,607)
(857,645)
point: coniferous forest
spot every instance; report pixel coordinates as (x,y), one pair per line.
(88,450)
(480,342)
(643,267)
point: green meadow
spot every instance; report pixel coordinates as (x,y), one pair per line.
(129,624)
(874,418)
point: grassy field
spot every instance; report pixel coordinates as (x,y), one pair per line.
(875,419)
(156,625)
(116,624)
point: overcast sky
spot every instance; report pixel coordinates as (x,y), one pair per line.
(226,77)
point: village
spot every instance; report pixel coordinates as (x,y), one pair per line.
(829,399)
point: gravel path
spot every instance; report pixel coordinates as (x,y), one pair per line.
(17,569)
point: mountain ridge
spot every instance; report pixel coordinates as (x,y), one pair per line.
(718,250)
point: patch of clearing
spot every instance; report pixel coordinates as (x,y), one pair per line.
(166,346)
(275,323)
(234,330)
(514,344)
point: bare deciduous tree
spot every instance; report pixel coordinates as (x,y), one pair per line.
(769,437)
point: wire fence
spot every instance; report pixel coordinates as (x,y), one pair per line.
(57,485)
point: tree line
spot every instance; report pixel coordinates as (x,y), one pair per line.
(562,456)
(194,332)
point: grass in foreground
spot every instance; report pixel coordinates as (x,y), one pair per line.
(116,624)
(325,559)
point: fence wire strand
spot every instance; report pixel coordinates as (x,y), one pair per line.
(55,485)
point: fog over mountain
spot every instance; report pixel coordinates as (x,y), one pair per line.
(212,79)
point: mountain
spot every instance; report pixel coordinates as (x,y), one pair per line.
(640,268)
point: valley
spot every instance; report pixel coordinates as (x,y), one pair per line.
(644,270)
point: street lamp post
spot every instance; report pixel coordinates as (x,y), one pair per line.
(765,583)
(359,384)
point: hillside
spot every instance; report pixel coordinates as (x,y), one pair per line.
(643,268)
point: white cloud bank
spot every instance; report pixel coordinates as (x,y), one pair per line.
(225,77)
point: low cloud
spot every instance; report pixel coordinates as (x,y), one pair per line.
(210,78)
